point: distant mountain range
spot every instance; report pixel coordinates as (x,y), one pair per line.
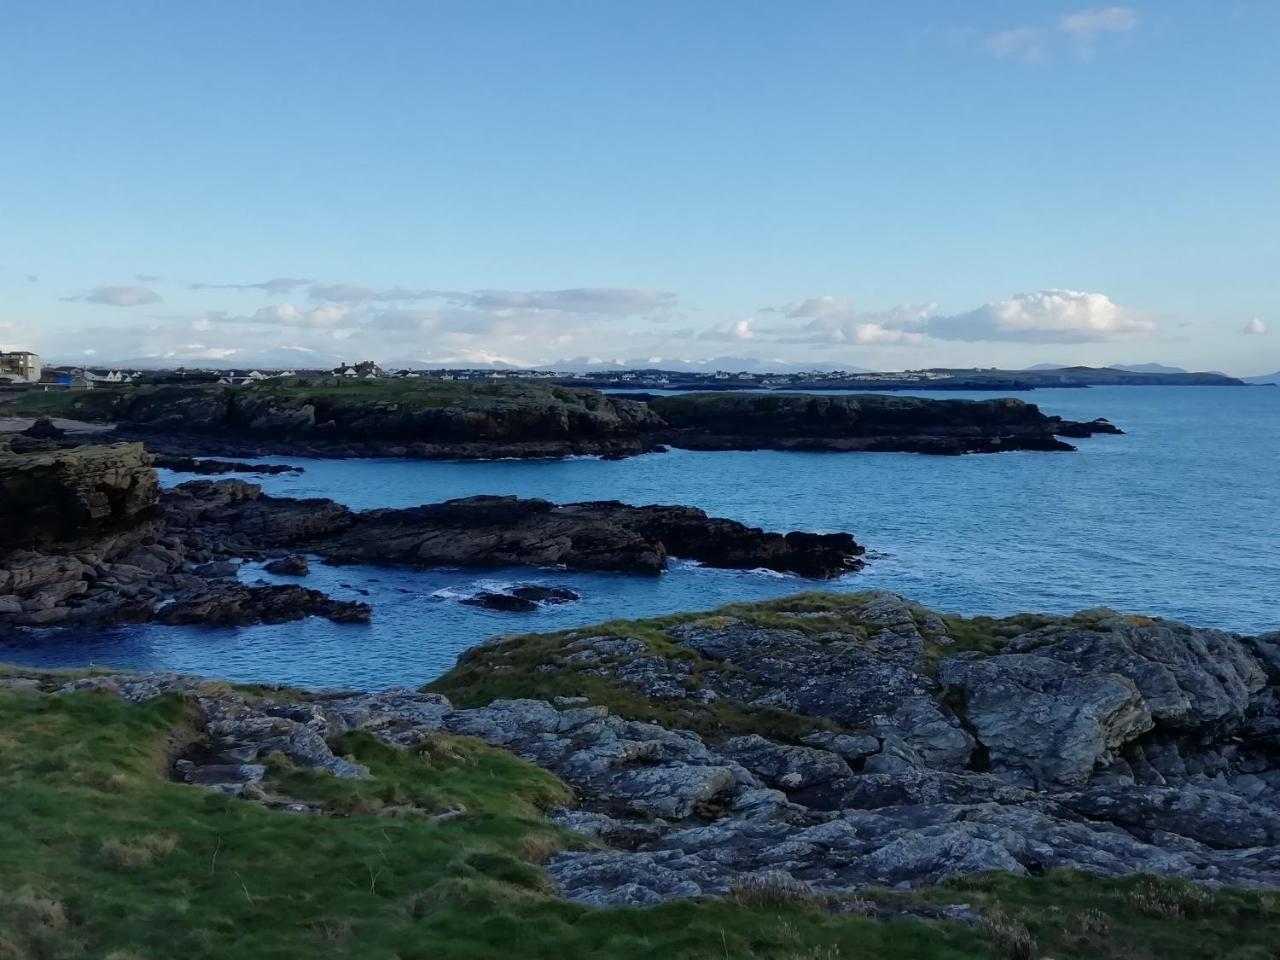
(1129,367)
(1271,378)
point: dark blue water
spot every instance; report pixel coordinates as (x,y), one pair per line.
(1179,518)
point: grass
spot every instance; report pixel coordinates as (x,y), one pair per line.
(330,394)
(508,669)
(1068,915)
(102,855)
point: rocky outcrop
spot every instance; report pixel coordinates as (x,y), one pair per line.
(521,599)
(1099,742)
(206,466)
(72,498)
(512,418)
(425,419)
(236,518)
(235,604)
(862,422)
(856,801)
(93,543)
(294,565)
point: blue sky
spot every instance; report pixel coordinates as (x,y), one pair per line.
(867,184)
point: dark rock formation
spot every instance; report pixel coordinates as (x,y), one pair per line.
(506,602)
(293,565)
(449,420)
(521,599)
(540,594)
(860,422)
(207,466)
(44,429)
(235,604)
(426,419)
(89,542)
(235,518)
(72,498)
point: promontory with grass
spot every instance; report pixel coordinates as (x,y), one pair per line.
(444,419)
(821,776)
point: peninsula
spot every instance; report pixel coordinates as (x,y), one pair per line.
(439,419)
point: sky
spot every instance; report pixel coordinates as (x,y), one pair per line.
(842,183)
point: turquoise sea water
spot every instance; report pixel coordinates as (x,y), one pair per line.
(1179,518)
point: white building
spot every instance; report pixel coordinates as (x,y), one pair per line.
(20,365)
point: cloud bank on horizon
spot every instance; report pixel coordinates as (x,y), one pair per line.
(539,327)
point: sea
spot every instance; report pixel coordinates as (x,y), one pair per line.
(1178,518)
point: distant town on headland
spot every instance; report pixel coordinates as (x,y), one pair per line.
(24,370)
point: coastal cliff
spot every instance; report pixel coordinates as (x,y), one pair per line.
(75,496)
(453,420)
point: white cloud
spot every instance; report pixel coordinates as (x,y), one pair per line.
(348,293)
(290,315)
(114,296)
(1020,43)
(1255,327)
(276,285)
(1080,31)
(732,330)
(614,301)
(1049,316)
(836,320)
(1086,26)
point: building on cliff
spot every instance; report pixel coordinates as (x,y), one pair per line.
(20,365)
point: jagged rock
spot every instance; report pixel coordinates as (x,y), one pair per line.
(846,678)
(69,498)
(294,565)
(792,768)
(1187,676)
(236,604)
(540,594)
(497,531)
(1214,817)
(44,429)
(1042,718)
(217,570)
(500,601)
(852,747)
(207,466)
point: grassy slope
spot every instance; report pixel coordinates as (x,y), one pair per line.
(102,856)
(406,394)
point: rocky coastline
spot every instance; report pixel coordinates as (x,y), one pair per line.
(91,540)
(533,419)
(830,744)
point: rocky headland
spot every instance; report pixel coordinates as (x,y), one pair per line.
(90,539)
(456,420)
(822,748)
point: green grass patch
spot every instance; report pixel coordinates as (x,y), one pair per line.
(1071,914)
(101,855)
